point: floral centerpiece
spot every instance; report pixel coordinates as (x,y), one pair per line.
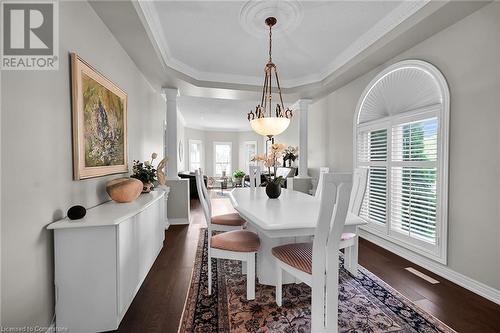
(145,172)
(273,186)
(291,153)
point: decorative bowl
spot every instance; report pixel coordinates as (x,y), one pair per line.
(124,189)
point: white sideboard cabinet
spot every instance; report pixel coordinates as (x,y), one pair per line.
(102,260)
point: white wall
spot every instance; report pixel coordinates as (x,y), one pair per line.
(468,54)
(37,185)
(290,137)
(316,137)
(208,138)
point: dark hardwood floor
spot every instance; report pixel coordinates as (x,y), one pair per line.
(457,307)
(159,303)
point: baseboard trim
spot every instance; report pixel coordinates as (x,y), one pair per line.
(466,282)
(178,221)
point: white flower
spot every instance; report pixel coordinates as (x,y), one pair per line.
(147,163)
(154,155)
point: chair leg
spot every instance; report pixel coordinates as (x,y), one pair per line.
(332,298)
(244,267)
(351,258)
(209,272)
(250,276)
(354,257)
(279,285)
(347,258)
(318,323)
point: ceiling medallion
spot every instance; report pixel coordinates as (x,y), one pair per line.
(253,13)
(263,121)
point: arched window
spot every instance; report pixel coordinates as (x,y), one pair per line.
(401,136)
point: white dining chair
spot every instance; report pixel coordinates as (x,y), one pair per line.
(349,240)
(239,245)
(308,262)
(254,175)
(322,171)
(224,222)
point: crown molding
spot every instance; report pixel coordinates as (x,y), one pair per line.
(152,23)
(216,129)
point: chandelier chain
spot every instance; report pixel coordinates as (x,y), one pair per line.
(265,109)
(270,43)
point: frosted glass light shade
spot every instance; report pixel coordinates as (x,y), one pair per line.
(270,126)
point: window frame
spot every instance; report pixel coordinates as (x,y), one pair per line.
(437,252)
(221,143)
(202,154)
(246,162)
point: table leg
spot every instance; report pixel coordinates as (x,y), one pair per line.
(266,264)
(351,253)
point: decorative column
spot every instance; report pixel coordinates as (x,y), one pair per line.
(170,149)
(303,107)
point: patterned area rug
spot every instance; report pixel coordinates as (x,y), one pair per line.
(366,304)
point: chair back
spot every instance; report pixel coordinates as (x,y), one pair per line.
(359,181)
(285,172)
(335,191)
(254,176)
(204,199)
(322,171)
(205,191)
(334,204)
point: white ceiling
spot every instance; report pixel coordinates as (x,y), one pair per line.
(215,114)
(220,41)
(214,51)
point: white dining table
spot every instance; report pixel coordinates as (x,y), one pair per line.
(291,218)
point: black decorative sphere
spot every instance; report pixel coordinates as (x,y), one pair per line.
(76,212)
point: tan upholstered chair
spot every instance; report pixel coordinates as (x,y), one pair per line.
(308,261)
(225,222)
(239,245)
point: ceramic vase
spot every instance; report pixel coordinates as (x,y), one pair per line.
(124,189)
(147,187)
(273,190)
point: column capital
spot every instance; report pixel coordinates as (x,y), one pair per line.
(170,93)
(303,103)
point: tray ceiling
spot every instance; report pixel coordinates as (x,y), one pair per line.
(225,41)
(215,114)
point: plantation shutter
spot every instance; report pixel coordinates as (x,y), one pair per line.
(413,189)
(372,154)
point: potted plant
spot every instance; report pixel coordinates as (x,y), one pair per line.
(273,186)
(238,177)
(290,155)
(145,172)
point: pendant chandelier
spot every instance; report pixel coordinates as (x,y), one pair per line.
(264,121)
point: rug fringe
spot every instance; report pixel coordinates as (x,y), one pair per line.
(201,242)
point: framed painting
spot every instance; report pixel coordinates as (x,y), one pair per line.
(99,110)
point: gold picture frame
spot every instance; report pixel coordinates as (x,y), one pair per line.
(99,112)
